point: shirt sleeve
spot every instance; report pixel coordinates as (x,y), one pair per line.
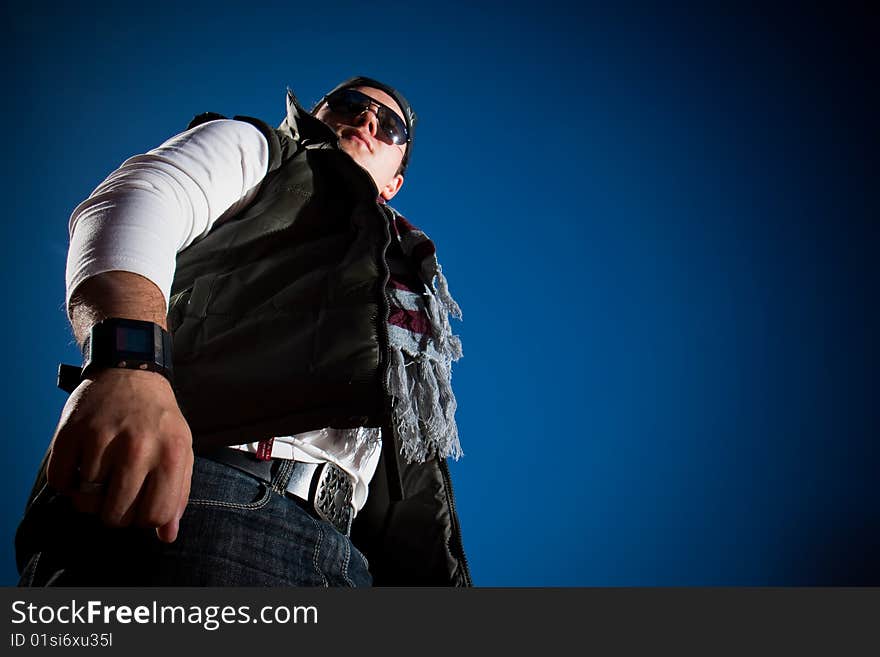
(157,204)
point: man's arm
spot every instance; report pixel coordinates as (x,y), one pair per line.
(121,427)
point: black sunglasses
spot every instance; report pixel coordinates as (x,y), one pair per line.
(351,103)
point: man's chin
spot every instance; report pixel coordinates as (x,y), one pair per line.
(355,153)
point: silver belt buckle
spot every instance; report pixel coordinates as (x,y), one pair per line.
(333,497)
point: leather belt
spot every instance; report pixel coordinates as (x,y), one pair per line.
(323,489)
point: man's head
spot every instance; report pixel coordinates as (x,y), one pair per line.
(374,123)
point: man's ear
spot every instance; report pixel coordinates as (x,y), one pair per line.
(389,190)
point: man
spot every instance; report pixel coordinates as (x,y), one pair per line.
(310,332)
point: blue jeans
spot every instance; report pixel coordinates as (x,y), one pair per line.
(236,531)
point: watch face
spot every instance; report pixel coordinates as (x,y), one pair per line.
(129,344)
(134,340)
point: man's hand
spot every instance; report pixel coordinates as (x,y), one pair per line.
(123,450)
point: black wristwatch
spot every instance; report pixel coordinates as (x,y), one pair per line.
(125,343)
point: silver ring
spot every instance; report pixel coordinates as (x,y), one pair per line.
(91,487)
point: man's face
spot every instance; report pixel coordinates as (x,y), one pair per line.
(357,137)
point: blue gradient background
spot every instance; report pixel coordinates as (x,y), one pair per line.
(661,226)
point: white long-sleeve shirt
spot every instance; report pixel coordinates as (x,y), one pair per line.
(155,205)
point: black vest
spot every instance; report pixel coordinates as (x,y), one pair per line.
(278,314)
(279,317)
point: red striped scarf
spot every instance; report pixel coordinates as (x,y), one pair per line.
(422,349)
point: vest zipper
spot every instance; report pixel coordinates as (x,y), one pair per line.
(389,438)
(382,328)
(456,528)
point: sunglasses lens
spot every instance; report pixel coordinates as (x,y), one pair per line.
(393,127)
(347,104)
(351,104)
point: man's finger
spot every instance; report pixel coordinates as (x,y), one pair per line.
(61,470)
(185,490)
(88,502)
(159,498)
(93,470)
(168,532)
(125,486)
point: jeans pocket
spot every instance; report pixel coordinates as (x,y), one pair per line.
(219,485)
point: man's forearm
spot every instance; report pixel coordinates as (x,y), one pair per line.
(121,432)
(115,294)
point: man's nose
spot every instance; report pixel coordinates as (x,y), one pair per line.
(372,121)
